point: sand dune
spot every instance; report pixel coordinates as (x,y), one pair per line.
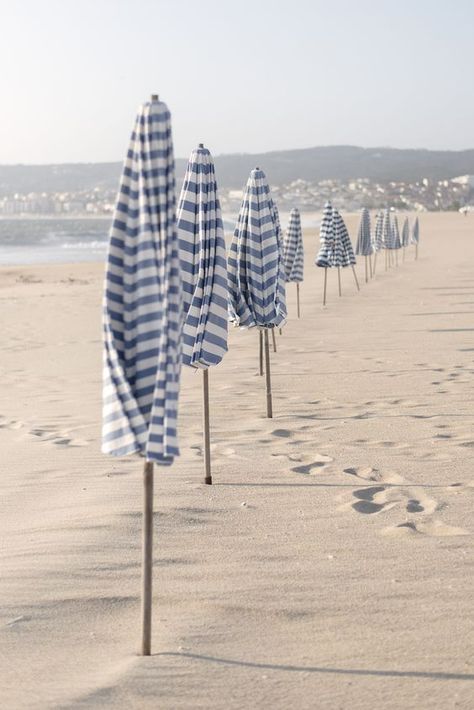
(331,564)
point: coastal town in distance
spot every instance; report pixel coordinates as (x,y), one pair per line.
(426,194)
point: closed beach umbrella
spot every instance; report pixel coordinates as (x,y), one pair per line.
(378,244)
(293,253)
(204,276)
(405,236)
(387,235)
(143,316)
(343,252)
(326,243)
(415,236)
(364,245)
(255,270)
(396,242)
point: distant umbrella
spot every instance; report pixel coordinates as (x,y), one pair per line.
(255,271)
(396,243)
(293,253)
(326,243)
(387,235)
(143,317)
(405,236)
(364,246)
(204,275)
(415,236)
(343,251)
(377,243)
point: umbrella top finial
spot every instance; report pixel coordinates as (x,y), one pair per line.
(201,145)
(155,97)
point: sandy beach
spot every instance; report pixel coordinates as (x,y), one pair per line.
(331,564)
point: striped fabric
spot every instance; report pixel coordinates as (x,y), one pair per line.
(378,243)
(343,253)
(405,233)
(364,239)
(387,230)
(397,244)
(293,253)
(326,238)
(255,270)
(142,302)
(203,264)
(415,235)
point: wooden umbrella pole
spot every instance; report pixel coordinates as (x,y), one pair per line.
(386,260)
(274,340)
(298,299)
(416,251)
(268,378)
(370,265)
(339,279)
(366,269)
(147,557)
(396,257)
(375,263)
(260,340)
(403,253)
(325,285)
(355,277)
(206,427)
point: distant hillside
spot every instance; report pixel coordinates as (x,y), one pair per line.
(332,162)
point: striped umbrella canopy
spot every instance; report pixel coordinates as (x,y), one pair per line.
(387,230)
(405,233)
(326,238)
(364,240)
(415,235)
(395,234)
(203,264)
(255,271)
(293,253)
(343,253)
(142,305)
(378,243)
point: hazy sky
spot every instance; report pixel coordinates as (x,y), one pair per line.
(246,76)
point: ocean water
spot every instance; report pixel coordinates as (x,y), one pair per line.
(40,241)
(45,240)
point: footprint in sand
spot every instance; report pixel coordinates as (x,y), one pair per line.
(49,435)
(320,461)
(11,424)
(432,528)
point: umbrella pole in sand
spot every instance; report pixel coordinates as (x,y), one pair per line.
(206,427)
(268,379)
(396,257)
(375,264)
(260,340)
(366,270)
(274,340)
(403,253)
(298,300)
(355,277)
(147,557)
(325,285)
(386,260)
(416,251)
(339,279)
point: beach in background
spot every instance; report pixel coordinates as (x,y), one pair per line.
(328,567)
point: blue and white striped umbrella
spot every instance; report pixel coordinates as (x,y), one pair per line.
(343,253)
(395,234)
(378,243)
(293,253)
(203,264)
(255,270)
(405,233)
(364,239)
(326,238)
(142,305)
(415,235)
(387,230)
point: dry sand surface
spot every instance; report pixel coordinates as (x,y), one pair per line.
(331,564)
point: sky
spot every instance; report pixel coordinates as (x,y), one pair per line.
(242,77)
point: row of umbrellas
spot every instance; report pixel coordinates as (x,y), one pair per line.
(170,290)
